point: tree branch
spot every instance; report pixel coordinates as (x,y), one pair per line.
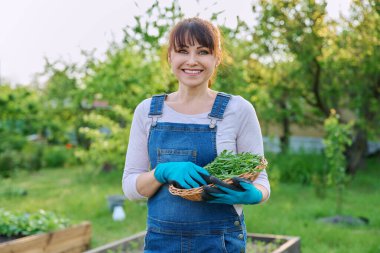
(316,89)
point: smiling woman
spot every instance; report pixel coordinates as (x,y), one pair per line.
(194,47)
(173,136)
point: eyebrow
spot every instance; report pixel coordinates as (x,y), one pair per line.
(184,46)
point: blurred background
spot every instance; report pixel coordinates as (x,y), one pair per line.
(72,73)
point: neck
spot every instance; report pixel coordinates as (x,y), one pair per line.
(186,94)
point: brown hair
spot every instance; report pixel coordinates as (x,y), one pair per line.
(189,30)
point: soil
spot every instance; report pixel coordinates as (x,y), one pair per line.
(4,238)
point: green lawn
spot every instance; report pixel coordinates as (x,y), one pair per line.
(293,209)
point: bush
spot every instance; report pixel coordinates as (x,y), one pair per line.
(9,160)
(297,167)
(23,224)
(336,140)
(55,156)
(32,156)
(109,138)
(11,141)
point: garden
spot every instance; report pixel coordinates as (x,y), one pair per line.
(64,139)
(294,209)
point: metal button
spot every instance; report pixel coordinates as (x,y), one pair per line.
(241,236)
(237,223)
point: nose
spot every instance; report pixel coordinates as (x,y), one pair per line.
(192,59)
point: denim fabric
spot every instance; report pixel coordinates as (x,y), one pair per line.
(228,235)
(220,105)
(175,224)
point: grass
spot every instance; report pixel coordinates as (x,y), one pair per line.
(78,194)
(293,209)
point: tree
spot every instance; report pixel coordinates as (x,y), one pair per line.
(61,101)
(109,138)
(322,55)
(336,140)
(289,41)
(356,68)
(20,110)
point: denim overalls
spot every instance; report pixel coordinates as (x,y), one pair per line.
(178,225)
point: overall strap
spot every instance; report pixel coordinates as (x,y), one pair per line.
(156,106)
(220,104)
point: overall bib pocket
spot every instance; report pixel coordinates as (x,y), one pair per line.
(176,155)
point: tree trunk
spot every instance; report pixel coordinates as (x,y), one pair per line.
(356,153)
(285,138)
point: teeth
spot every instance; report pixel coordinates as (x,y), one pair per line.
(192,71)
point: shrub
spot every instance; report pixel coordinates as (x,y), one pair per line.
(9,160)
(336,140)
(11,141)
(297,167)
(32,156)
(55,156)
(109,138)
(23,224)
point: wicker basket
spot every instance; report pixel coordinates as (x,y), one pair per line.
(195,194)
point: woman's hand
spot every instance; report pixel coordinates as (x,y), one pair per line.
(181,174)
(242,191)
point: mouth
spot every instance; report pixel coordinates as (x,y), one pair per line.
(192,71)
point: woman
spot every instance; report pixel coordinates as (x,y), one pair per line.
(173,136)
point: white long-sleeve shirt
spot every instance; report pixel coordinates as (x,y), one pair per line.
(239,131)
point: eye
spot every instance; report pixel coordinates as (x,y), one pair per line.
(181,51)
(204,52)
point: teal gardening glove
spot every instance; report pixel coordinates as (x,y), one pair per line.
(181,174)
(242,191)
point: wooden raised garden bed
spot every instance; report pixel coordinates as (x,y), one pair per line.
(74,239)
(257,243)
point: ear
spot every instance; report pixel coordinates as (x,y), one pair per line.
(218,60)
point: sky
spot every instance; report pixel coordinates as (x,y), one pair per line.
(31,30)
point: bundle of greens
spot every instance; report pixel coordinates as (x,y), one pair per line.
(228,165)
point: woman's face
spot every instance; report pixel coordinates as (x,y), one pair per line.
(193,65)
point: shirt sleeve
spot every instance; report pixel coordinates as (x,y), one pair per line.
(137,159)
(249,138)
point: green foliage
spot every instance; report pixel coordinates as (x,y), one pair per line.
(23,224)
(11,141)
(8,162)
(55,156)
(61,99)
(80,194)
(353,60)
(299,167)
(257,246)
(13,192)
(336,140)
(137,69)
(124,78)
(108,138)
(293,64)
(19,110)
(279,60)
(149,31)
(32,156)
(228,165)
